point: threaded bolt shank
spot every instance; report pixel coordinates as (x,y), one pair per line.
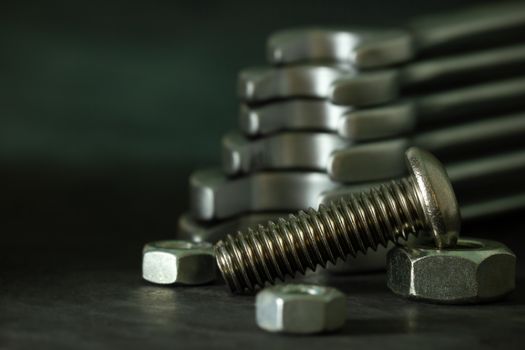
(312,238)
(423,201)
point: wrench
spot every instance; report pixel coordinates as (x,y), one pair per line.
(439,34)
(344,85)
(386,121)
(353,164)
(348,162)
(215,196)
(435,74)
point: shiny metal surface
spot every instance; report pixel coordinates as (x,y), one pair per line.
(215,196)
(189,229)
(199,231)
(291,115)
(264,84)
(345,86)
(384,159)
(438,199)
(475,270)
(362,48)
(468,68)
(365,220)
(300,309)
(180,262)
(465,175)
(472,28)
(390,120)
(292,150)
(347,162)
(467,102)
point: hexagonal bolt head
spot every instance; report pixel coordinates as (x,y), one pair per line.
(476,270)
(300,308)
(169,262)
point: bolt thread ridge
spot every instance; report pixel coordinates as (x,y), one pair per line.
(303,241)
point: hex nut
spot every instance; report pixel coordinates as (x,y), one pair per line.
(181,262)
(476,270)
(300,308)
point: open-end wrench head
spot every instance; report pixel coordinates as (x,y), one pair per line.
(360,47)
(256,85)
(440,206)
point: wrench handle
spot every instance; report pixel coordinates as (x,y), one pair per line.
(471,28)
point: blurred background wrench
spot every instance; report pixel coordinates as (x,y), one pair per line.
(384,159)
(371,161)
(484,186)
(475,27)
(345,86)
(431,75)
(215,196)
(383,121)
(434,110)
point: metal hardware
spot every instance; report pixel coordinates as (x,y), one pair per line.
(475,270)
(343,85)
(471,28)
(181,262)
(199,231)
(347,162)
(300,309)
(391,120)
(424,201)
(216,196)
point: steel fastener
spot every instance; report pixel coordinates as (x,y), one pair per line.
(424,201)
(171,261)
(475,270)
(300,308)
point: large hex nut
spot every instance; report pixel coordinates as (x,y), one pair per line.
(300,308)
(168,262)
(475,270)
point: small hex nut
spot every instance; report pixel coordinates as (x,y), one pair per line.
(476,270)
(300,308)
(180,262)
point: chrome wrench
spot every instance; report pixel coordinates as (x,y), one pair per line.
(466,29)
(347,162)
(215,196)
(390,120)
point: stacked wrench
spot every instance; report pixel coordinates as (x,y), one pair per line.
(336,110)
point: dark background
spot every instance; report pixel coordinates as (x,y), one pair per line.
(106,107)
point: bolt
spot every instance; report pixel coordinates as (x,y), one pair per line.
(421,202)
